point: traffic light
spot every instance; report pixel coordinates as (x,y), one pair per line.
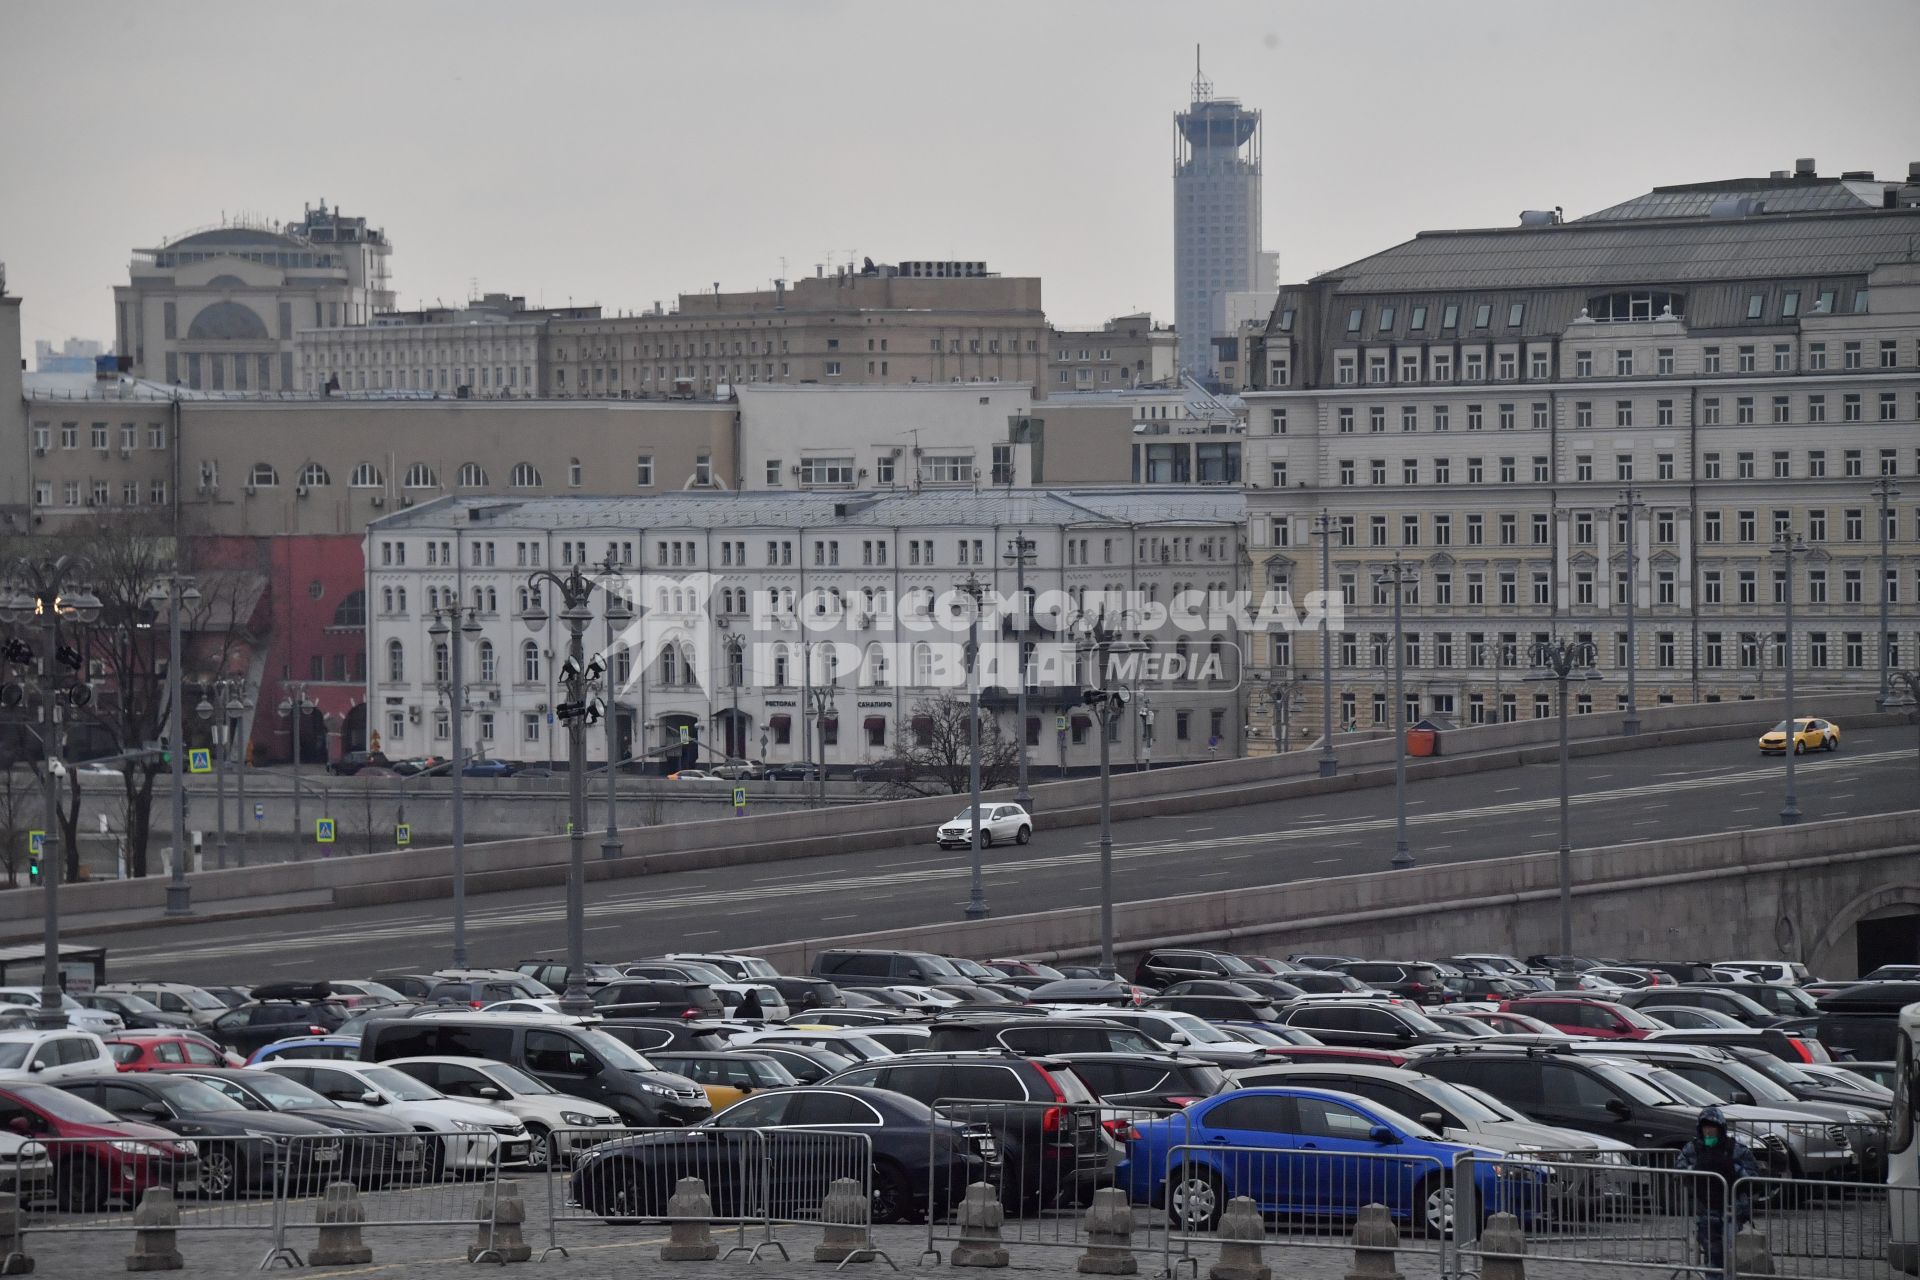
(33,870)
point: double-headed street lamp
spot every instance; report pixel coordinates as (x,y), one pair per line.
(1323,529)
(453,626)
(179,593)
(227,698)
(1562,661)
(46,592)
(293,708)
(1095,641)
(1884,492)
(1787,545)
(578,679)
(1020,550)
(1909,678)
(1396,578)
(619,614)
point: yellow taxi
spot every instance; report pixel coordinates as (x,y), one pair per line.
(726,1077)
(1809,734)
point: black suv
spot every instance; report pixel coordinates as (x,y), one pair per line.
(1147,1080)
(1421,983)
(1589,1094)
(352,762)
(276,1013)
(555,975)
(1251,1007)
(1161,968)
(1047,1036)
(1366,1024)
(1046,1120)
(887,968)
(649,997)
(802,994)
(1734,1005)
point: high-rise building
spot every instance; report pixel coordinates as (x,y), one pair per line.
(1216,218)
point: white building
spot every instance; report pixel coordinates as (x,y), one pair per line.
(753,603)
(911,437)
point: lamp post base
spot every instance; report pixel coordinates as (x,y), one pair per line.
(1790,815)
(976,911)
(576,1003)
(179,900)
(1631,725)
(1402,859)
(611,848)
(1329,766)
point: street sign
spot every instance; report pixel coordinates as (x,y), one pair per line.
(36,843)
(199,760)
(259,813)
(403,835)
(686,736)
(323,830)
(1059,724)
(739,800)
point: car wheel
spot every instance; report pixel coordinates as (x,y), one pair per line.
(1799,747)
(539,1148)
(1025,834)
(986,838)
(220,1172)
(1833,742)
(83,1186)
(892,1197)
(434,1165)
(1194,1199)
(1433,1205)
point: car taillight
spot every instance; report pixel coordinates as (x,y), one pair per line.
(476,1004)
(316,1031)
(1121,1130)
(1181,1101)
(1415,988)
(1050,1120)
(1800,1047)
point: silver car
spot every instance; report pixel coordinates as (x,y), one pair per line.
(999,824)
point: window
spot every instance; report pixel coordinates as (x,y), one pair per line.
(826,471)
(530,662)
(419,476)
(524,476)
(643,471)
(313,475)
(396,662)
(472,476)
(366,476)
(1583,364)
(263,476)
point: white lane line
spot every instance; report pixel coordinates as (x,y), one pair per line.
(1598,776)
(704,933)
(1194,829)
(1438,848)
(831,919)
(1321,862)
(1751,808)
(1500,791)
(1455,831)
(1235,857)
(1211,875)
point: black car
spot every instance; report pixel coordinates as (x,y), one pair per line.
(806,1063)
(917,1157)
(1052,1145)
(1250,987)
(378,1148)
(802,994)
(1327,982)
(1410,979)
(555,975)
(1734,1005)
(136,1014)
(1366,1024)
(649,1034)
(1782,1042)
(412,985)
(352,762)
(1480,986)
(886,968)
(1777,998)
(1247,1008)
(1038,1036)
(278,1012)
(793,771)
(1159,968)
(1147,1080)
(240,1150)
(644,997)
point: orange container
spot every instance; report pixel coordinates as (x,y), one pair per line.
(1420,742)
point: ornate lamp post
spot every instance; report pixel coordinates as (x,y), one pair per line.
(180,592)
(977,895)
(1323,529)
(1396,579)
(1562,661)
(225,698)
(578,678)
(47,594)
(1787,545)
(1020,550)
(294,708)
(1095,641)
(1630,505)
(618,614)
(453,626)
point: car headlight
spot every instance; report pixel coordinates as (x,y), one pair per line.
(579,1118)
(1859,1117)
(137,1148)
(660,1089)
(469,1126)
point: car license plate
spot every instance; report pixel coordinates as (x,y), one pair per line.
(325,1157)
(188,1186)
(516,1151)
(406,1157)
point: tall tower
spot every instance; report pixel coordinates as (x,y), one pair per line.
(1216,216)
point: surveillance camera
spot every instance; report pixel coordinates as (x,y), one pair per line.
(58,767)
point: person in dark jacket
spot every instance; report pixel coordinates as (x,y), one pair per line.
(1716,1151)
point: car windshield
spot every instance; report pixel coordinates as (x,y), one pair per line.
(613,1051)
(1234,964)
(134,1004)
(282,1093)
(1782,726)
(1682,1089)
(13,1054)
(1498,1109)
(1638,1087)
(399,1084)
(383,991)
(1763,1087)
(191,1095)
(62,1105)
(1198,1032)
(199,999)
(757,968)
(519,1081)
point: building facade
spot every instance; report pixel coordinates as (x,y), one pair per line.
(1216,218)
(218,309)
(492,348)
(1124,353)
(765,615)
(1596,430)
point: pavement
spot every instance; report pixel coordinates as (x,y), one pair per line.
(1651,793)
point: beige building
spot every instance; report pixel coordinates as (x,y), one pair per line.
(490,349)
(911,322)
(1595,430)
(217,309)
(1125,352)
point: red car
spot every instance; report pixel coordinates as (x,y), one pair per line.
(111,1159)
(1602,1019)
(168,1051)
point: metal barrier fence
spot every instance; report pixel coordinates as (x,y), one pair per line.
(756,1180)
(438,1186)
(1818,1230)
(1307,1196)
(1045,1160)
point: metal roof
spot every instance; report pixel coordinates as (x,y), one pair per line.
(862,508)
(1784,196)
(1645,251)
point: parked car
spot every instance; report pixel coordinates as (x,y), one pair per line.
(1413,980)
(134,1012)
(739,770)
(1163,967)
(1686,1019)
(849,968)
(693,775)
(792,771)
(803,994)
(201,1004)
(316,1048)
(999,824)
(727,1077)
(1586,1017)
(1738,1007)
(168,1051)
(559,1126)
(351,762)
(1790,972)
(101,1022)
(102,1157)
(379,1148)
(488,769)
(478,988)
(1810,733)
(415,765)
(639,997)
(917,1158)
(1146,1080)
(1363,1024)
(467,1136)
(553,975)
(52,1055)
(276,1013)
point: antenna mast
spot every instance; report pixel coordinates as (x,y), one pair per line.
(1202,87)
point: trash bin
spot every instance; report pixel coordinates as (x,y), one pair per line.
(1422,742)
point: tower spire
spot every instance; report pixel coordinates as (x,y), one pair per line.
(1202,87)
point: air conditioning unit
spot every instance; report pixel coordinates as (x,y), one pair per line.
(413,715)
(406,499)
(493,696)
(795,468)
(39,451)
(251,491)
(125,452)
(379,499)
(301,491)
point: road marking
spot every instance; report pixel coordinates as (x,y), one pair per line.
(1751,808)
(1500,791)
(1456,831)
(704,933)
(1321,862)
(830,919)
(1597,776)
(1211,875)
(1193,829)
(750,911)
(1235,857)
(1438,848)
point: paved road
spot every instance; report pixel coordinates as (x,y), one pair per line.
(1647,794)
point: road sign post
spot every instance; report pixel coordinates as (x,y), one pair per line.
(259,812)
(739,801)
(200,760)
(323,830)
(402,835)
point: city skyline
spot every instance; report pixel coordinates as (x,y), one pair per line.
(484,178)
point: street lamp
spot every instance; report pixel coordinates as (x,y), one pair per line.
(619,614)
(1396,578)
(1630,503)
(1563,661)
(1323,527)
(221,698)
(1787,545)
(976,895)
(1095,640)
(578,678)
(1884,492)
(454,626)
(819,703)
(1910,677)
(294,708)
(180,592)
(1020,550)
(45,596)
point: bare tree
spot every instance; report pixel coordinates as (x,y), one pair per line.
(937,756)
(19,810)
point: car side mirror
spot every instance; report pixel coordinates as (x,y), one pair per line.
(1177,1037)
(1619,1109)
(488,1091)
(20,1125)
(1742,1098)
(36,1066)
(1383,1136)
(372,1099)
(1433,1120)
(156,1110)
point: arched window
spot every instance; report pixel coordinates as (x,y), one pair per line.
(396,661)
(489,666)
(313,475)
(442,658)
(367,476)
(386,599)
(472,476)
(530,662)
(420,476)
(525,476)
(263,476)
(669,665)
(400,595)
(351,611)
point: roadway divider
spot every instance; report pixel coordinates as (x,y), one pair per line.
(425,873)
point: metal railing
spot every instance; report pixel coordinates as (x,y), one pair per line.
(1817,1230)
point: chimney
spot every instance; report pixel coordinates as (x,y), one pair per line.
(1803,167)
(1913,171)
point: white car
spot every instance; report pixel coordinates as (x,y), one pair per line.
(469,1133)
(26,1168)
(531,1006)
(102,1022)
(53,1055)
(733,995)
(999,824)
(923,997)
(559,1126)
(739,968)
(846,1041)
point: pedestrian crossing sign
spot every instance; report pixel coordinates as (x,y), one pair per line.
(200,760)
(739,797)
(323,830)
(36,843)
(402,835)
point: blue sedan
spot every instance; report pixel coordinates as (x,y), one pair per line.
(336,1048)
(488,769)
(1309,1153)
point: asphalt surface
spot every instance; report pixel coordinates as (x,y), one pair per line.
(1655,793)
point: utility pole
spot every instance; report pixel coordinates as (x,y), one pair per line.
(1884,492)
(1787,545)
(1395,579)
(1021,552)
(1323,529)
(1630,503)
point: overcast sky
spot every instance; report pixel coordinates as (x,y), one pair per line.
(624,152)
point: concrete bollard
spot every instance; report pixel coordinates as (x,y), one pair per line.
(844,1215)
(1502,1235)
(1751,1256)
(13,1247)
(500,1214)
(339,1215)
(1109,1236)
(980,1217)
(155,1224)
(1240,1232)
(1375,1241)
(690,1226)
